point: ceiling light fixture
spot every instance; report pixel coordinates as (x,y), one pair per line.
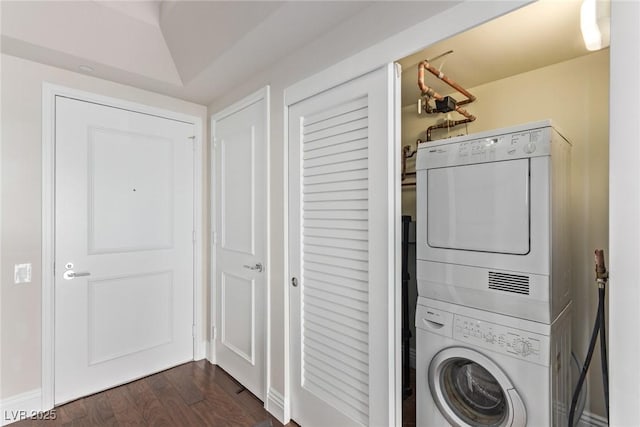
(85,68)
(594,23)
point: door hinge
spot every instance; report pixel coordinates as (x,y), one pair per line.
(193,236)
(213,333)
(193,331)
(214,238)
(215,143)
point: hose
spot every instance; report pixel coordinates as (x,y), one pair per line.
(582,399)
(585,367)
(603,351)
(598,327)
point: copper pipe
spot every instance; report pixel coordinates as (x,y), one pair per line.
(430,92)
(447,124)
(407,153)
(439,74)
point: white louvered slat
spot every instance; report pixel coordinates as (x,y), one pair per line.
(346,314)
(353,366)
(336,130)
(337,322)
(344,157)
(338,398)
(313,329)
(336,177)
(358,245)
(335,257)
(360,214)
(358,144)
(357,389)
(352,296)
(336,195)
(353,304)
(336,121)
(354,135)
(339,252)
(336,261)
(323,278)
(360,184)
(335,205)
(337,271)
(337,234)
(360,378)
(337,110)
(347,354)
(337,167)
(337,224)
(339,317)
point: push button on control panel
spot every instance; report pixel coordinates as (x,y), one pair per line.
(529,148)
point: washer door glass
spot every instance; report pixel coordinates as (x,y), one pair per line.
(473,393)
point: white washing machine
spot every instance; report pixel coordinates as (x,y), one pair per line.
(478,368)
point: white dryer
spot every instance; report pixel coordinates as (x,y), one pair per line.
(477,368)
(493,221)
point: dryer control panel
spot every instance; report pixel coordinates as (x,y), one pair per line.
(515,342)
(517,145)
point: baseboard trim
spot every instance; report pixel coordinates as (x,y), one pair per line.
(278,406)
(21,406)
(592,420)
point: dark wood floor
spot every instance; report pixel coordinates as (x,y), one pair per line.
(194,394)
(409,404)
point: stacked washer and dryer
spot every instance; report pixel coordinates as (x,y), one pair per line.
(493,317)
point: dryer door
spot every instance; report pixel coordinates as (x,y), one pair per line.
(471,390)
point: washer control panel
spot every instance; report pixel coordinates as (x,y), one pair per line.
(515,342)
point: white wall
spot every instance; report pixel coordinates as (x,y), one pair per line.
(624,202)
(574,94)
(21,231)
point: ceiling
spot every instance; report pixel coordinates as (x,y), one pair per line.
(194,50)
(197,50)
(535,36)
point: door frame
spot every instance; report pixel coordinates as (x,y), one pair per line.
(49,93)
(257,96)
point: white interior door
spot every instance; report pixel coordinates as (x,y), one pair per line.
(124,246)
(343,224)
(240,222)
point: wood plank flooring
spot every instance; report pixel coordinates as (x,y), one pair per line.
(194,394)
(409,404)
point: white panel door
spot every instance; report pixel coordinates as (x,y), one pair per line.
(241,211)
(343,223)
(124,246)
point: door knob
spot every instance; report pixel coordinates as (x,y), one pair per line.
(70,274)
(258,267)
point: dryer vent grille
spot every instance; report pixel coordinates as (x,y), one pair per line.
(509,283)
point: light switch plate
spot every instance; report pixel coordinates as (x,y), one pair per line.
(22,273)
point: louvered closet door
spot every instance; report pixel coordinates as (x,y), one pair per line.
(343,202)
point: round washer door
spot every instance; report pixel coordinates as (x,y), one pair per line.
(471,390)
